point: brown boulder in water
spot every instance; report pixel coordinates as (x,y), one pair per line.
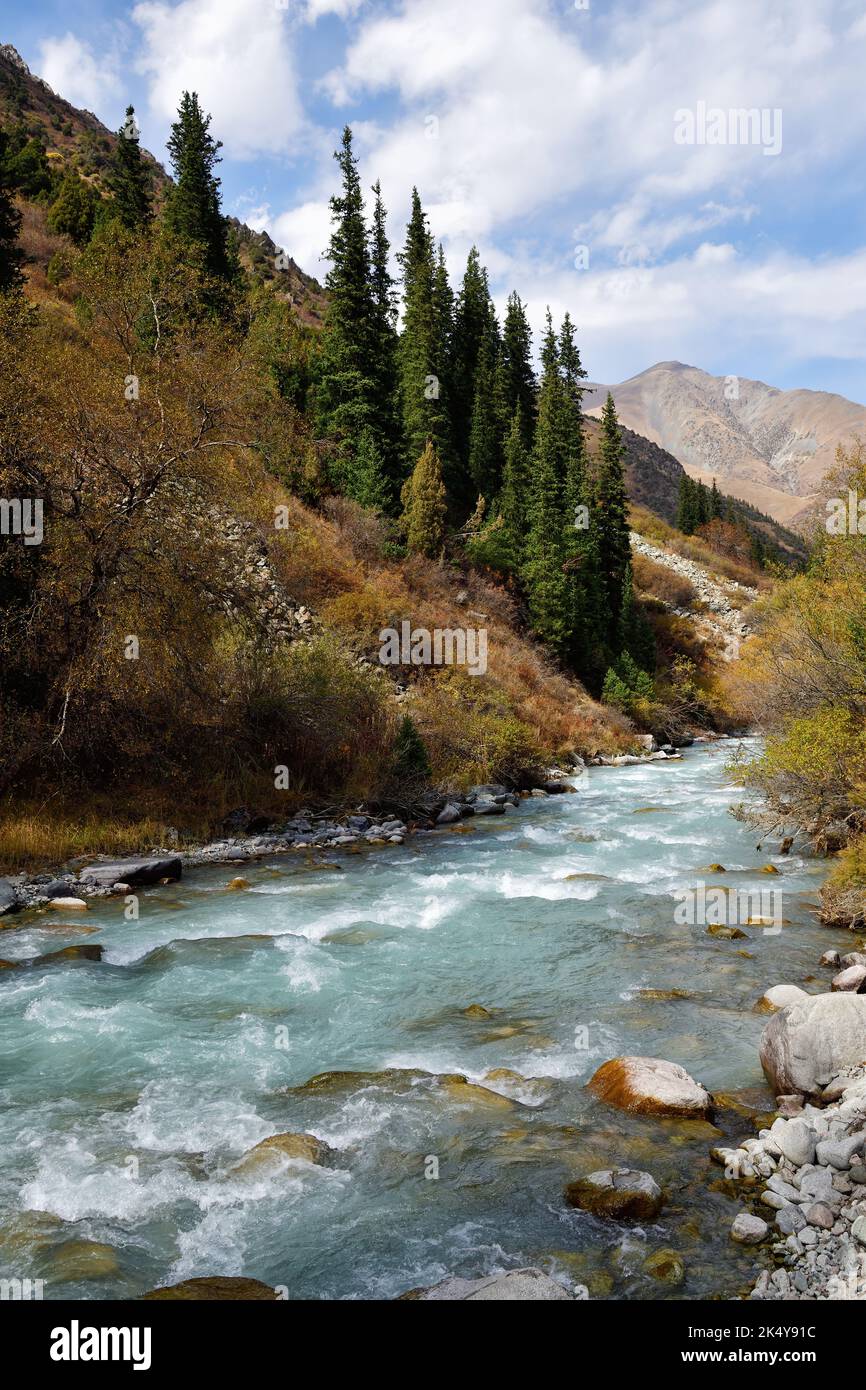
(216,1289)
(651,1086)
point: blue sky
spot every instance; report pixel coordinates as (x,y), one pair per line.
(563,137)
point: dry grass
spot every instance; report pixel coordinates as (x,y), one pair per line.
(662,583)
(35,838)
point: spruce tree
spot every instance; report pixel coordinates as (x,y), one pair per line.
(585,608)
(613,530)
(192,209)
(715,503)
(514,498)
(425,506)
(486,461)
(516,363)
(346,396)
(687,511)
(11,255)
(545,553)
(472,326)
(384,342)
(367,481)
(129,178)
(422,369)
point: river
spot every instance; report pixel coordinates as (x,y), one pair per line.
(132,1086)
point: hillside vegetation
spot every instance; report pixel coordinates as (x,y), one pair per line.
(244,481)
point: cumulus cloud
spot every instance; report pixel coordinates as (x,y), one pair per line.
(74,71)
(238,57)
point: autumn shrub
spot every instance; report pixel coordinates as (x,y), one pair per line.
(663,583)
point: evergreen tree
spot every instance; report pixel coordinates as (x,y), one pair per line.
(486,460)
(545,553)
(422,368)
(716,510)
(346,397)
(367,480)
(613,530)
(129,178)
(11,255)
(73,211)
(581,536)
(192,209)
(702,504)
(411,761)
(519,386)
(384,342)
(424,505)
(687,506)
(472,325)
(514,498)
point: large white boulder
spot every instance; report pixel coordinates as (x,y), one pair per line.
(518,1285)
(808,1043)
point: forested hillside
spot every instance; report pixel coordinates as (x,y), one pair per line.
(243,479)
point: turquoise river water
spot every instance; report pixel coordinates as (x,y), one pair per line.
(131,1087)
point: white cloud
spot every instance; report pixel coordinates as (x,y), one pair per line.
(239,60)
(304,233)
(76,74)
(342,8)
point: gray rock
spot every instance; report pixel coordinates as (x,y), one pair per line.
(817,1185)
(8,898)
(489,808)
(858,1230)
(830,958)
(448,815)
(790,1220)
(854,958)
(518,1285)
(748,1229)
(820,1215)
(136,871)
(58,888)
(850,980)
(806,1045)
(837,1153)
(796,1140)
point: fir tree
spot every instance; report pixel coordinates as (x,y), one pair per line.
(472,325)
(367,480)
(384,341)
(514,498)
(545,555)
(687,506)
(347,376)
(613,529)
(192,209)
(486,460)
(11,255)
(519,384)
(716,509)
(129,178)
(424,505)
(411,761)
(423,388)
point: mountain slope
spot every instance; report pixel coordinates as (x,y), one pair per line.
(30,109)
(770,447)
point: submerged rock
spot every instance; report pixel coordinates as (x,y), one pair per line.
(626,1194)
(518,1285)
(651,1086)
(83,1259)
(269,1152)
(215,1289)
(476,1011)
(667,1266)
(68,953)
